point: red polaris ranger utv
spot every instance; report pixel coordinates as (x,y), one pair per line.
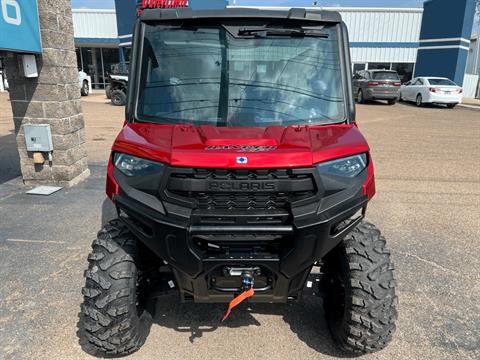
(239,170)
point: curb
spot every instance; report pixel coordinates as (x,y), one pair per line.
(471,107)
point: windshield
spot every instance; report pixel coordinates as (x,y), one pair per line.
(207,76)
(441,82)
(385,75)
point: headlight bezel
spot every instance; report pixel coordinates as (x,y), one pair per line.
(333,167)
(133,166)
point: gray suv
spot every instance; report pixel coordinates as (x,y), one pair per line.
(376,85)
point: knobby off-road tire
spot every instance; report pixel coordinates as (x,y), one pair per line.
(360,303)
(118,97)
(113,322)
(108,91)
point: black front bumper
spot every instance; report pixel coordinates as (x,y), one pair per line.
(201,243)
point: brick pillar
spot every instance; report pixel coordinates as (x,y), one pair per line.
(53,98)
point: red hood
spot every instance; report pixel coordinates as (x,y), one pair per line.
(189,146)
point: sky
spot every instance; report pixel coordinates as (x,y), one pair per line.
(109,4)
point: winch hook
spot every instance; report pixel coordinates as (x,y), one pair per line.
(248,291)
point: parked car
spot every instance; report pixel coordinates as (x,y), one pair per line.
(376,85)
(116,90)
(431,90)
(3,81)
(84,81)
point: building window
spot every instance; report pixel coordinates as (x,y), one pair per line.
(359,67)
(128,54)
(98,63)
(79,59)
(110,60)
(404,70)
(378,66)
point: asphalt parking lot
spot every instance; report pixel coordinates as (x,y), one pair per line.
(427,164)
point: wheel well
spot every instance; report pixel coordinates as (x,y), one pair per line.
(118,86)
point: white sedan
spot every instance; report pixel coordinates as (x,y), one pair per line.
(431,90)
(85,83)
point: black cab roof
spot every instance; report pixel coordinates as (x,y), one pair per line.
(236,13)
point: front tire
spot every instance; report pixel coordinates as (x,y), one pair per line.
(108,91)
(360,302)
(119,98)
(85,90)
(113,321)
(392,102)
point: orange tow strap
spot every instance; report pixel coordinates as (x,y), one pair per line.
(243,296)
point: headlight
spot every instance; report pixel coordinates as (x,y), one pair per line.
(349,166)
(134,166)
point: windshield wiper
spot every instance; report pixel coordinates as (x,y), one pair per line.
(264,31)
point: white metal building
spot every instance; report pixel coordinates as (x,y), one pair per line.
(96,43)
(381,37)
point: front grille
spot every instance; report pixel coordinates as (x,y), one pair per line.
(250,188)
(239,174)
(238,201)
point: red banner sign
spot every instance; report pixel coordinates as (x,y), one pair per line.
(160,4)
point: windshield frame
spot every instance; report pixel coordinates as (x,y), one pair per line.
(134,89)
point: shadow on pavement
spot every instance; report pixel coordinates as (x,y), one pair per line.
(108,211)
(306,319)
(374,102)
(425,106)
(9,158)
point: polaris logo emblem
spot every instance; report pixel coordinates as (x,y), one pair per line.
(241,148)
(239,186)
(242,160)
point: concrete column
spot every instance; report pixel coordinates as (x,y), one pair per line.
(53,98)
(445,39)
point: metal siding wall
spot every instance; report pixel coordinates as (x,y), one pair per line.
(375,24)
(95,24)
(382,25)
(397,55)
